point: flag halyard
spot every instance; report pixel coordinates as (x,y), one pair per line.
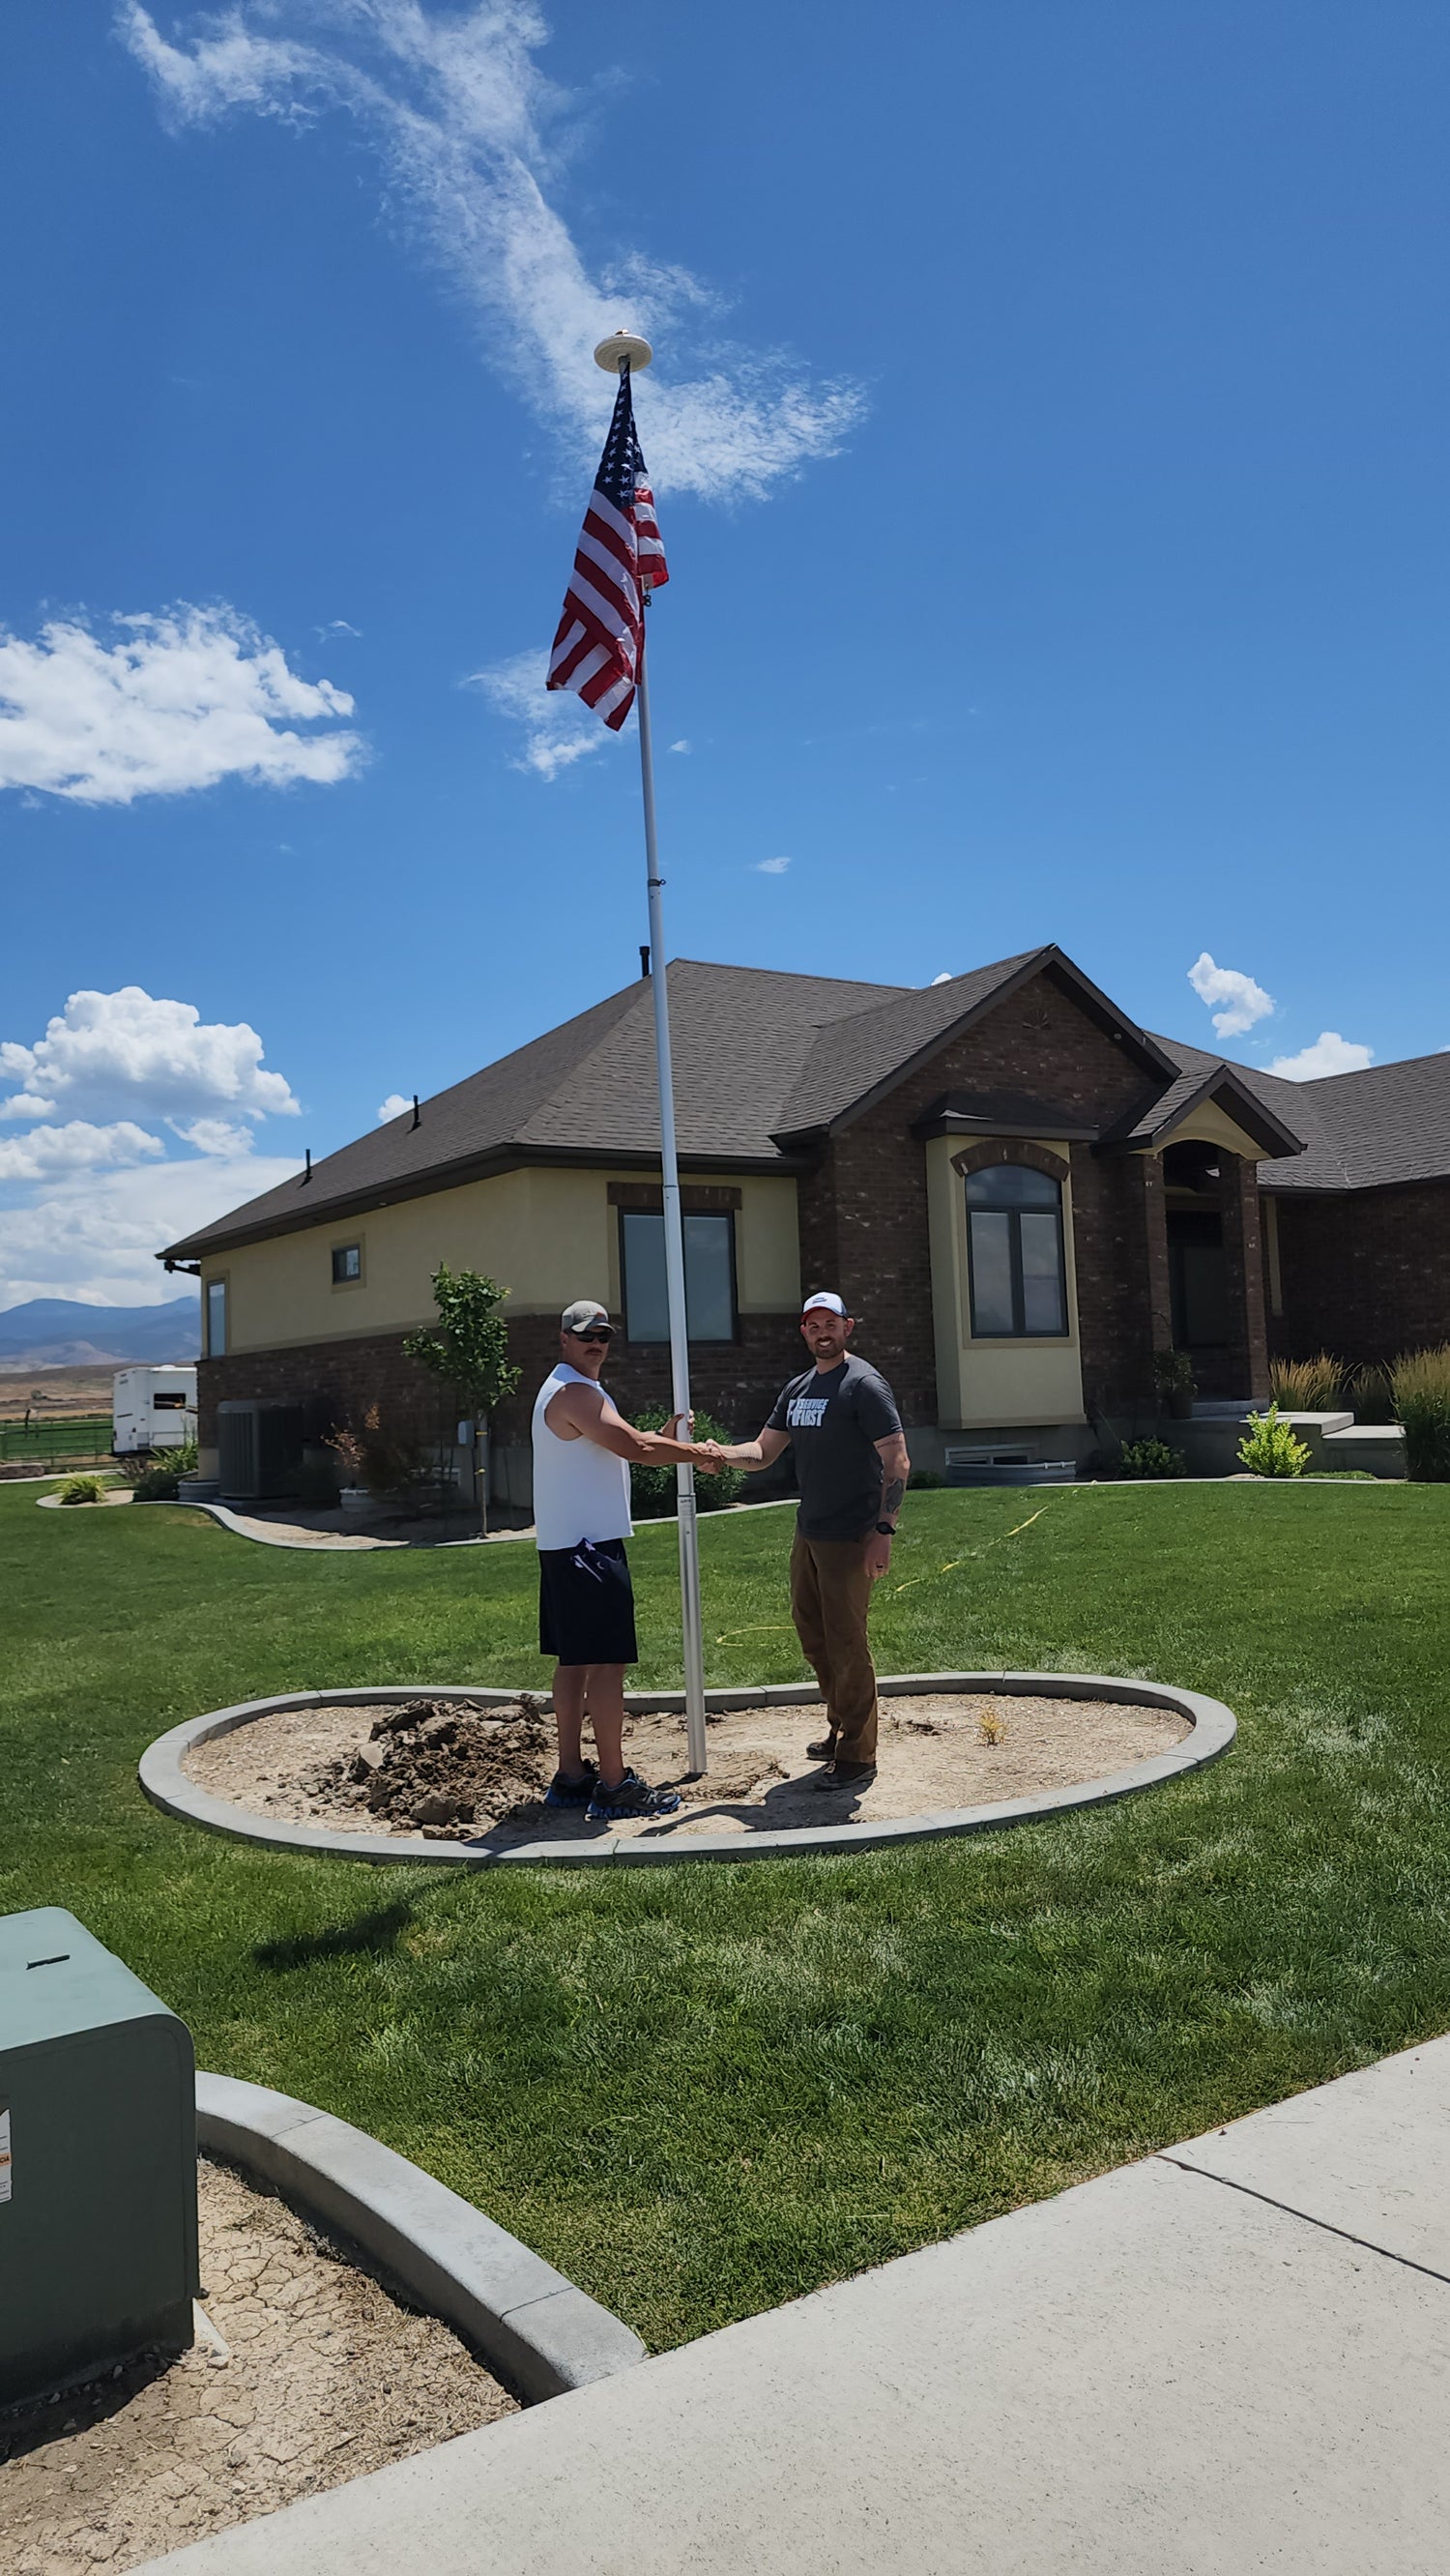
(620,558)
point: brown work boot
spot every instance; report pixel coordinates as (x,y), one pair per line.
(845,1775)
(824,1751)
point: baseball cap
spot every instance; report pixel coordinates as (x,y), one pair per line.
(825,1297)
(585,1314)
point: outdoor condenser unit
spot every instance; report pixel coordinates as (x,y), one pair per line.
(98,2254)
(259,1449)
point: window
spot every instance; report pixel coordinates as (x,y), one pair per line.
(709,1276)
(1014,1235)
(216,1318)
(346,1263)
(169,1401)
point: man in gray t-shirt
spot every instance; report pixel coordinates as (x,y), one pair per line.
(852,1468)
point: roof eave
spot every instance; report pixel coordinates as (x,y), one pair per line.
(1222,1087)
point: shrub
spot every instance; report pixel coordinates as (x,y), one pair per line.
(157,1481)
(1420,1387)
(1308,1386)
(316,1483)
(1173,1375)
(83,1489)
(1271,1448)
(652,1489)
(925,1480)
(1151,1458)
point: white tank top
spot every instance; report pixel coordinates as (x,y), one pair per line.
(580,1490)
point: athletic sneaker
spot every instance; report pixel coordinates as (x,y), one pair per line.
(572,1793)
(631,1797)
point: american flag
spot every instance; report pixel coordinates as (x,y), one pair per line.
(619,560)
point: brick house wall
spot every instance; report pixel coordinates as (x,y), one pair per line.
(1365,1274)
(867,1205)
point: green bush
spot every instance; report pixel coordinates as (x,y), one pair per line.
(652,1489)
(1271,1448)
(925,1480)
(1151,1458)
(1173,1376)
(316,1483)
(1420,1386)
(1308,1386)
(83,1489)
(157,1480)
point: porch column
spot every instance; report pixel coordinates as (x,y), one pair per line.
(1155,1250)
(1244,1274)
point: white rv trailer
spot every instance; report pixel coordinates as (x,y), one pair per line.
(153,1408)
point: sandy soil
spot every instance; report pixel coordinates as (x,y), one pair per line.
(451,1772)
(320,2375)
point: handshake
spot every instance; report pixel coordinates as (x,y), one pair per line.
(709,1456)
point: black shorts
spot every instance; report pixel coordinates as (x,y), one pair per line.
(586,1604)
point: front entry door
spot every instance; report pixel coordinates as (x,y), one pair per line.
(1198,1279)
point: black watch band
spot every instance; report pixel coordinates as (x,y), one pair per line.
(886,1529)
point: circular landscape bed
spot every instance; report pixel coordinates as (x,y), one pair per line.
(458,1774)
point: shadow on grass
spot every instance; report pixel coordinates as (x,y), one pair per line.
(367,1936)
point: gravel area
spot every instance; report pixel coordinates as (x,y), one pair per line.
(314,2372)
(457,1773)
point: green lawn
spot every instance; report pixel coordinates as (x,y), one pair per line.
(703,2090)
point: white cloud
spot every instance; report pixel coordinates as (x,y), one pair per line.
(458,110)
(106,1050)
(338,626)
(1244,1002)
(943,978)
(176,701)
(78,1146)
(95,1236)
(1330,1053)
(558,727)
(682,746)
(213,1135)
(392,1107)
(769,867)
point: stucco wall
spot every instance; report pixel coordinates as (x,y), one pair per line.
(547,1235)
(981,1383)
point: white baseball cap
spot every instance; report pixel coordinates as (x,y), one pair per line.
(826,1297)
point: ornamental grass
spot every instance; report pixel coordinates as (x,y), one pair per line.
(1420,1386)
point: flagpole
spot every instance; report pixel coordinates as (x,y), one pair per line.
(690,1610)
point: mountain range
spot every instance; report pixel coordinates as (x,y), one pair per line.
(58,1332)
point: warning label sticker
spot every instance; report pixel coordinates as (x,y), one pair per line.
(4,2155)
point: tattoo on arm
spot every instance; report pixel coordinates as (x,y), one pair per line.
(892,1497)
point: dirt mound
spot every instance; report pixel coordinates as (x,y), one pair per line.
(436,1764)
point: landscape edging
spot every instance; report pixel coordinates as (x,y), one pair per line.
(166,1783)
(534,2326)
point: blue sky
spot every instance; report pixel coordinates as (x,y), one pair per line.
(1048,435)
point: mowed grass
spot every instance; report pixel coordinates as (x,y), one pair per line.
(701,2090)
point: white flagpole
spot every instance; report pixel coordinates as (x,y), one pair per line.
(690,1614)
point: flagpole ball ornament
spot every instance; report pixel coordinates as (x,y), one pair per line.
(620,348)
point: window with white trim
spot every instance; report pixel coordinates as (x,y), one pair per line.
(709,1276)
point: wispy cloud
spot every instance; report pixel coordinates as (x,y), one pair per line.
(1330,1053)
(464,124)
(174,702)
(769,867)
(682,746)
(558,727)
(1244,1003)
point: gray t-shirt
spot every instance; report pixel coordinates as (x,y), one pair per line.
(834,1418)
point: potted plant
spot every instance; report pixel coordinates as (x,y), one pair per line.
(347,1449)
(1174,1383)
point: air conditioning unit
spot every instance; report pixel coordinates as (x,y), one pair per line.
(259,1449)
(1007,1467)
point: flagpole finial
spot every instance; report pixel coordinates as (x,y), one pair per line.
(621,349)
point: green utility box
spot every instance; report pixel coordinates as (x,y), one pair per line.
(97,2160)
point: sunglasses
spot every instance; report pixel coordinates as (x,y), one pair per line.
(604,1334)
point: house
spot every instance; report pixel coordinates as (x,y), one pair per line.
(1021,1194)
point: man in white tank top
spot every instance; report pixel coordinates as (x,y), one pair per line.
(583,1451)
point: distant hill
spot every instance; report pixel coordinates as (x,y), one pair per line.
(59,1332)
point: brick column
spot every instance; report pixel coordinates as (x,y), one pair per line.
(1155,1251)
(1244,1267)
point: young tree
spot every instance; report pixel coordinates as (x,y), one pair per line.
(469,1351)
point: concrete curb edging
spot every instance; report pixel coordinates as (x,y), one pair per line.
(532,2324)
(166,1783)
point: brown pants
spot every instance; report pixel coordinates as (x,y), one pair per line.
(830,1594)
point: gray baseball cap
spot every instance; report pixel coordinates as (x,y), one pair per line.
(585,1315)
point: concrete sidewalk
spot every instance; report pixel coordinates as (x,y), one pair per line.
(1233,2356)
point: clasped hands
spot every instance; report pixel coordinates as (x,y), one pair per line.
(708,1455)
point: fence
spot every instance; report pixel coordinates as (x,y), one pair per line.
(56,1440)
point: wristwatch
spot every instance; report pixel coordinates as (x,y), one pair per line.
(886,1529)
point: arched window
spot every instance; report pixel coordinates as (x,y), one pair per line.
(1014,1237)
